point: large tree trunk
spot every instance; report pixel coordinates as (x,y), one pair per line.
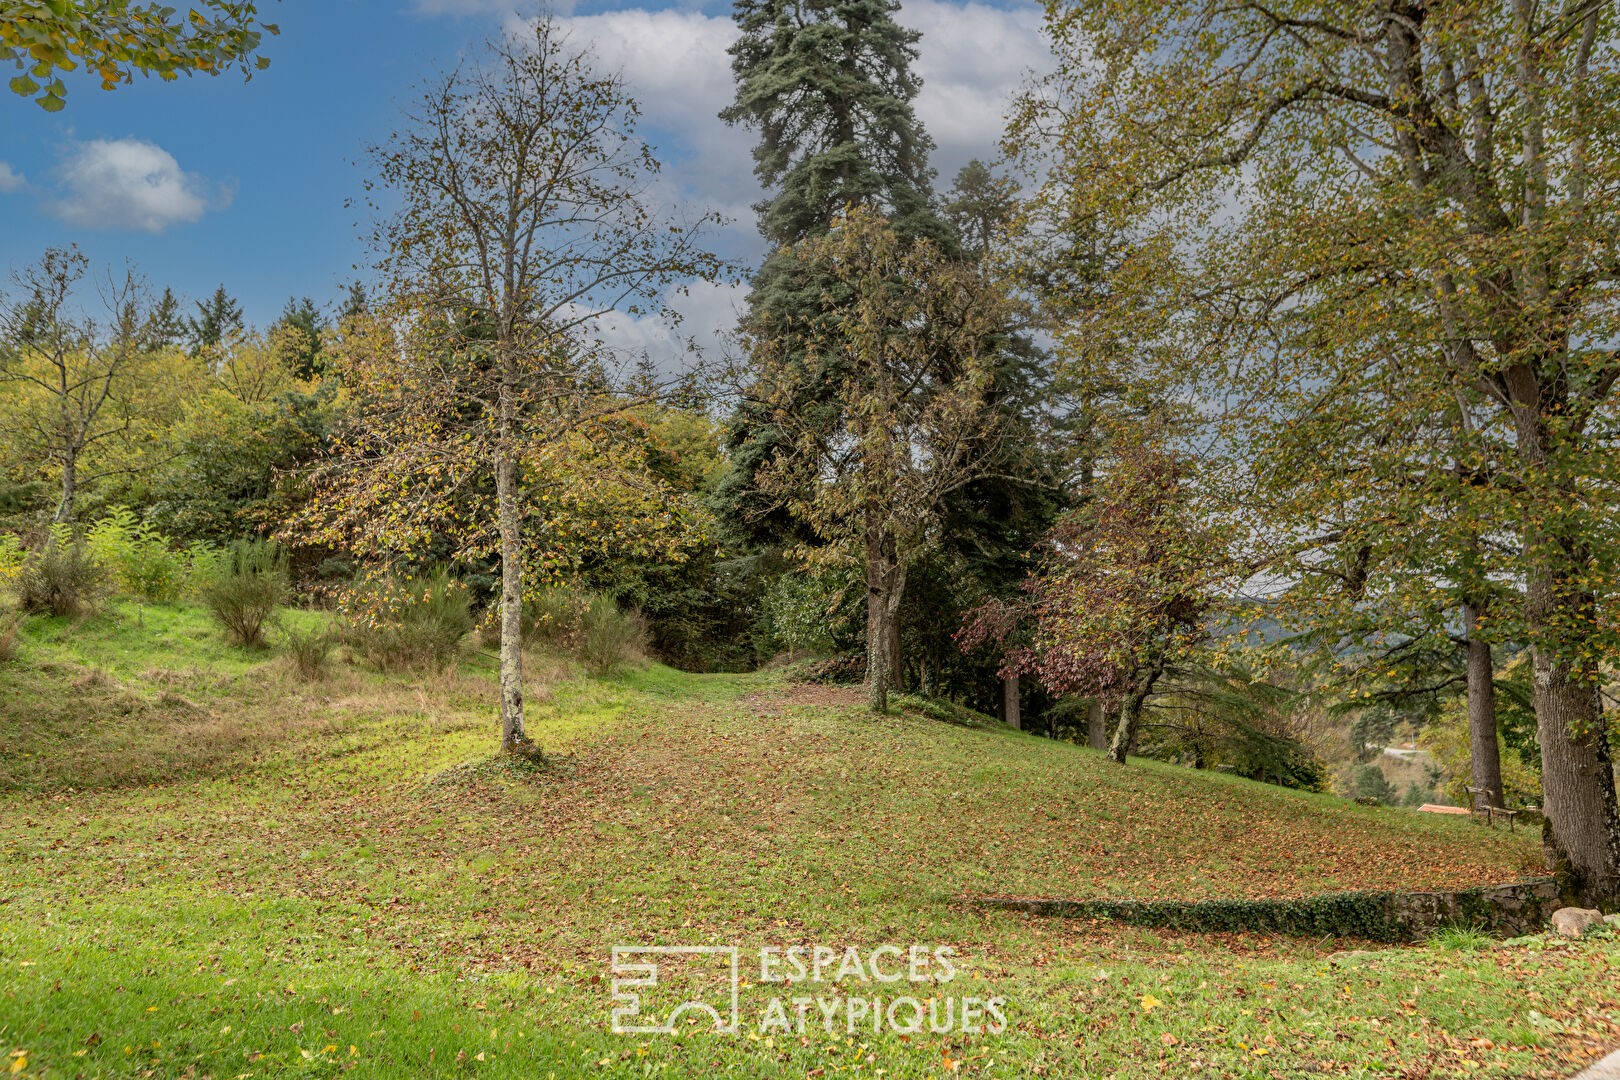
(1577,781)
(1484,751)
(510,524)
(1130,715)
(1009,693)
(1577,768)
(1096,726)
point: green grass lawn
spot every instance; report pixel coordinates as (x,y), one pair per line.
(213,868)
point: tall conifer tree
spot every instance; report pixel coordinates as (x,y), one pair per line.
(828,86)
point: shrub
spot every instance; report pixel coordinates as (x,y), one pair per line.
(402,623)
(63,577)
(1416,795)
(309,651)
(203,563)
(796,609)
(139,559)
(489,628)
(1368,783)
(942,709)
(609,637)
(551,620)
(246,586)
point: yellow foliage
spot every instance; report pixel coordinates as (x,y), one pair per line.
(11,558)
(595,482)
(146,397)
(250,368)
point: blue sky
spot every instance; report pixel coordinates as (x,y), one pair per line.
(203,181)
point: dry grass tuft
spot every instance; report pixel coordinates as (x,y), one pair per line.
(9,625)
(80,728)
(93,678)
(159,676)
(169,700)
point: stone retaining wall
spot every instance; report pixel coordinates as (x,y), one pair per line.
(1498,910)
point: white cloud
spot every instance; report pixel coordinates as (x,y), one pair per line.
(677,69)
(708,311)
(675,60)
(129,184)
(10,181)
(973,58)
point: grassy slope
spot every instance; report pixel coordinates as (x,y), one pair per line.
(310,885)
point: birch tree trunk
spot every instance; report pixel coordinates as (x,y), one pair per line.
(510,525)
(877,638)
(877,660)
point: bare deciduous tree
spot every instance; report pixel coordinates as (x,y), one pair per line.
(525,213)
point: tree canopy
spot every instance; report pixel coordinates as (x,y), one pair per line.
(1373,246)
(113,39)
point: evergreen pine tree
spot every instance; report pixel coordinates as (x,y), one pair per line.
(994,524)
(217,318)
(828,86)
(164,327)
(979,205)
(301,325)
(354,302)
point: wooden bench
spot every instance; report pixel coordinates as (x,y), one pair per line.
(1483,805)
